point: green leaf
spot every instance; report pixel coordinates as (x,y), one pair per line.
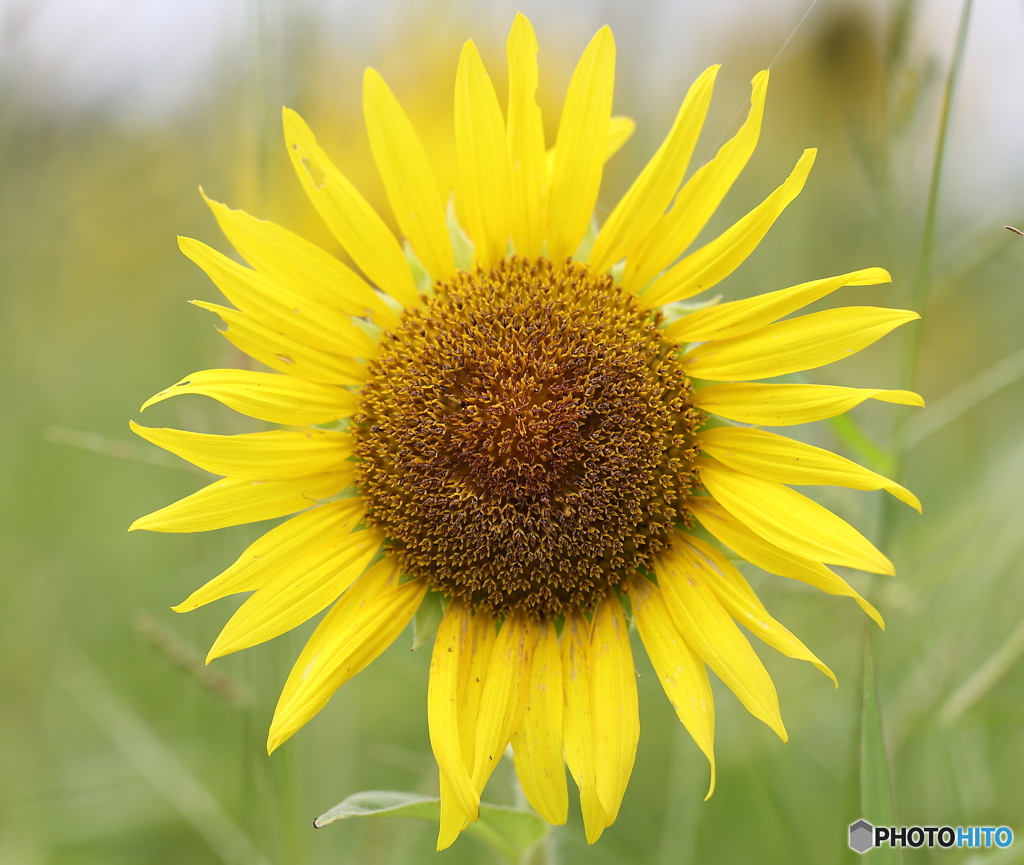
(427,619)
(877,803)
(510,832)
(424,282)
(583,250)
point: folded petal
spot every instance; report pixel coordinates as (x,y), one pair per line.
(578,720)
(713,262)
(267,396)
(291,261)
(283,353)
(681,672)
(795,344)
(698,199)
(474,660)
(790,520)
(483,159)
(362,624)
(580,147)
(451,646)
(738,317)
(351,219)
(646,200)
(772,457)
(528,171)
(537,745)
(789,404)
(233,502)
(298,592)
(301,316)
(279,549)
(264,456)
(408,177)
(743,605)
(615,710)
(503,698)
(453,820)
(710,631)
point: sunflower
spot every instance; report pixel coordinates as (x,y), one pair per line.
(510,415)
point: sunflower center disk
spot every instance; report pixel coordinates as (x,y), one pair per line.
(527,438)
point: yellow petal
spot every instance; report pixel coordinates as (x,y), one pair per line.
(483,159)
(578,722)
(265,456)
(283,353)
(362,624)
(681,673)
(278,549)
(790,520)
(503,698)
(771,558)
(474,660)
(698,199)
(267,396)
(452,821)
(300,316)
(743,605)
(298,592)
(408,177)
(795,344)
(451,646)
(713,262)
(789,404)
(356,225)
(299,265)
(620,130)
(744,316)
(580,147)
(472,674)
(776,458)
(528,171)
(710,631)
(616,714)
(537,746)
(233,502)
(644,203)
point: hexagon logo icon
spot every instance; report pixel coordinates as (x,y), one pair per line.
(862,836)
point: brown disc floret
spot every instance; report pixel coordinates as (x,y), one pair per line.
(527,438)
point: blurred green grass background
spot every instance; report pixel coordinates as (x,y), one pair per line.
(117,747)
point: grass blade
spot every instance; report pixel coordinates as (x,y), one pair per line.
(156,761)
(965,397)
(983,678)
(877,802)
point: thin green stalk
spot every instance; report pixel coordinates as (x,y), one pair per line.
(923,280)
(877,799)
(282,771)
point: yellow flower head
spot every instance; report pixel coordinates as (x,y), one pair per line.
(514,414)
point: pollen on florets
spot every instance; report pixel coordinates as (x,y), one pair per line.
(526,438)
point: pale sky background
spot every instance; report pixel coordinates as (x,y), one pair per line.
(145,59)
